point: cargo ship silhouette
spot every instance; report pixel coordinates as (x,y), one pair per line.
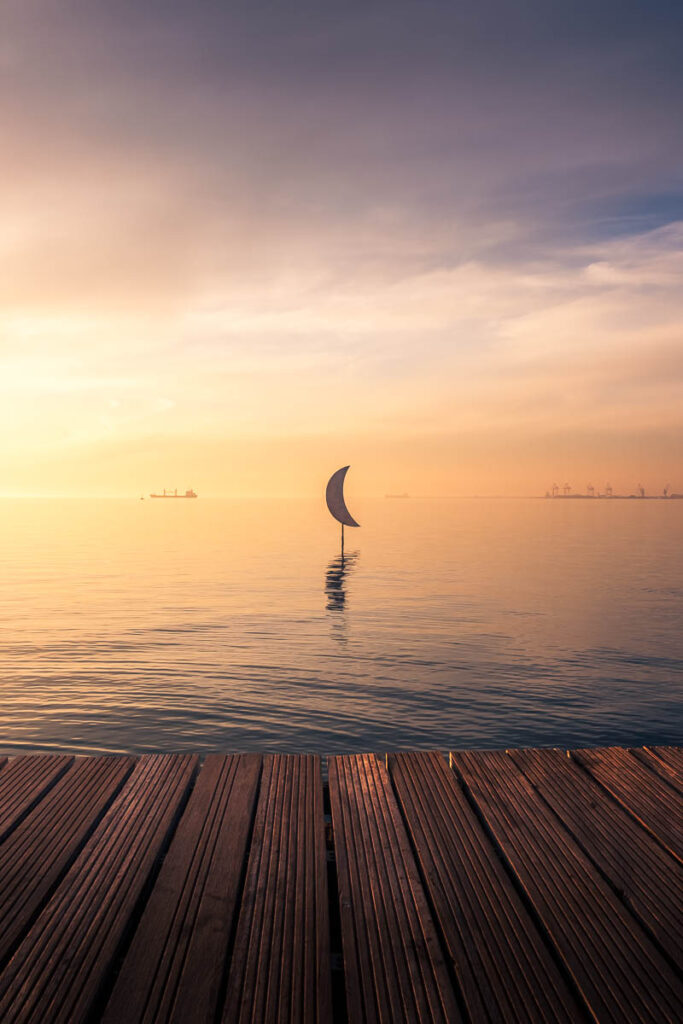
(174,494)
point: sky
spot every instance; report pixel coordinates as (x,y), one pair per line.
(244,244)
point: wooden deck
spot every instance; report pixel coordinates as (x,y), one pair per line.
(519,886)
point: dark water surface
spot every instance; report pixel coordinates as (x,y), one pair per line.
(233,625)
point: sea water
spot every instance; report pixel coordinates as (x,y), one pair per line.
(232,625)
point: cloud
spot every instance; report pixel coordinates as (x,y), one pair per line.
(404,221)
(473,347)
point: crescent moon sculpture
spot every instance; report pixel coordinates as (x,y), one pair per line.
(334,496)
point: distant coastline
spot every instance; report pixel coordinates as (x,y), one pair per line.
(614,497)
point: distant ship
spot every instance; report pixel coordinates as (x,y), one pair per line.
(174,494)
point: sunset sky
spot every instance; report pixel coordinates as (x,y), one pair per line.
(243,244)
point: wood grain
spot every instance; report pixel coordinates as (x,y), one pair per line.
(394,964)
(502,964)
(280,969)
(619,971)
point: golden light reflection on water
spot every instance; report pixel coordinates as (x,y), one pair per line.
(219,625)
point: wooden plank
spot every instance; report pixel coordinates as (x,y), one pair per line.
(670,755)
(619,971)
(665,761)
(41,848)
(502,964)
(23,782)
(280,968)
(394,966)
(641,791)
(646,877)
(60,966)
(175,963)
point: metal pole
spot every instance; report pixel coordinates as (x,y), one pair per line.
(342,550)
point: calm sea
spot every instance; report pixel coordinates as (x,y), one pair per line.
(234,625)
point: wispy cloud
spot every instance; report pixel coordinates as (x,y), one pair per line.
(400,223)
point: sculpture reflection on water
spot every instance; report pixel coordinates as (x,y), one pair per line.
(335,590)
